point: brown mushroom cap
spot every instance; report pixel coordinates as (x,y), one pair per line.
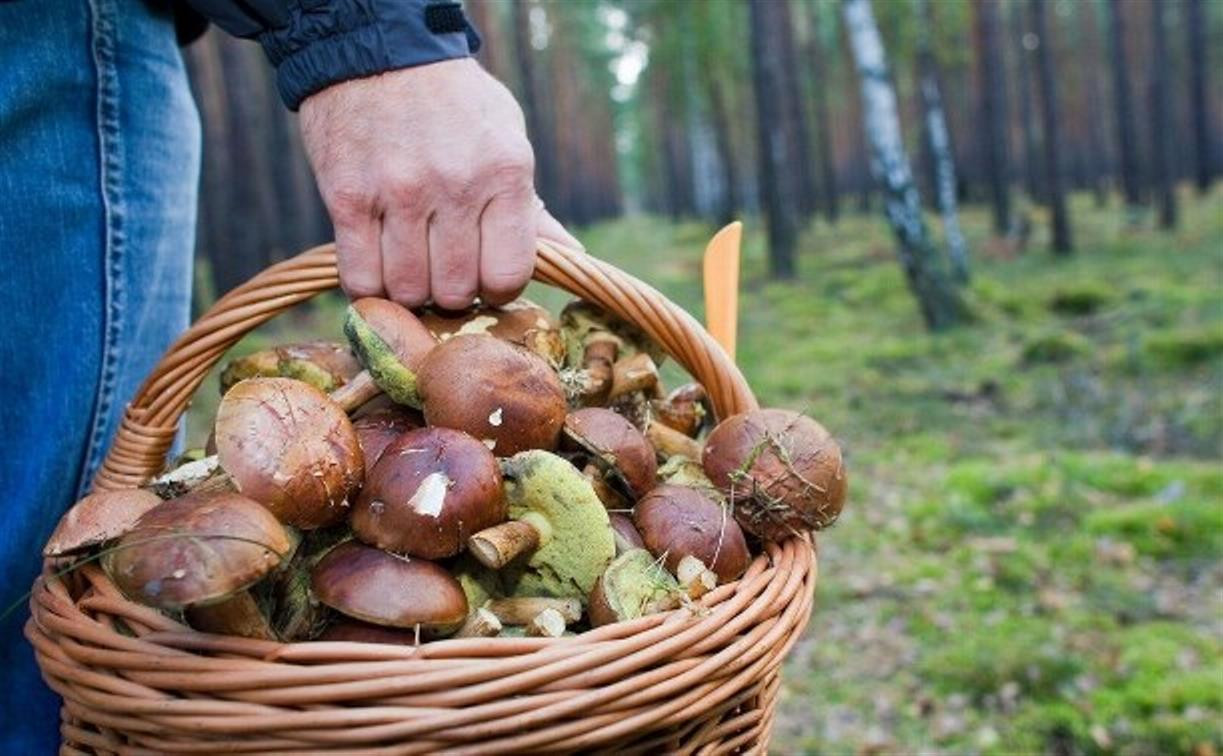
(783,471)
(686,409)
(374,586)
(432,488)
(504,395)
(616,445)
(198,549)
(376,431)
(624,532)
(97,518)
(675,521)
(287,446)
(391,343)
(355,631)
(521,322)
(325,365)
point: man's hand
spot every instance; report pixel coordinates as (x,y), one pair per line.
(429,179)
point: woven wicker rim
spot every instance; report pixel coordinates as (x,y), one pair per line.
(689,681)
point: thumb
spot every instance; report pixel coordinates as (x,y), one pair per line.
(550,228)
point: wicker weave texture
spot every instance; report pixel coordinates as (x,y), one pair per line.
(700,680)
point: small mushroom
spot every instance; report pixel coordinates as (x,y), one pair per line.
(98,518)
(635,373)
(480,624)
(522,609)
(624,532)
(355,631)
(325,365)
(520,322)
(633,585)
(615,445)
(782,470)
(500,393)
(376,430)
(391,344)
(694,577)
(590,384)
(675,521)
(557,521)
(431,489)
(669,442)
(289,447)
(383,589)
(686,409)
(197,550)
(580,318)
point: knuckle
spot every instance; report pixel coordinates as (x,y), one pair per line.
(407,193)
(350,202)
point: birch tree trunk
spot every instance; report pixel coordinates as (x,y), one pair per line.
(1055,193)
(1162,124)
(940,143)
(937,297)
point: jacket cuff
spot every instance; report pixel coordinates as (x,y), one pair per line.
(351,39)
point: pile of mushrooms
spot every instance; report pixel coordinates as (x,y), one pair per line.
(497,471)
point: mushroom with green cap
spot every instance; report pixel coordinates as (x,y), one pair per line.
(634,585)
(557,523)
(390,343)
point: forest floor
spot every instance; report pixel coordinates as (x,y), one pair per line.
(1030,557)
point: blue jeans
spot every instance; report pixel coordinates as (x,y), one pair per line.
(99,166)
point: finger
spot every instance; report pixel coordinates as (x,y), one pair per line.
(357,245)
(405,256)
(552,230)
(507,246)
(454,258)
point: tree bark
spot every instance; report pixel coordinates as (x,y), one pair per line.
(776,153)
(823,123)
(1162,123)
(1031,164)
(1050,130)
(720,116)
(993,112)
(1091,63)
(802,175)
(937,297)
(1127,147)
(1197,26)
(939,142)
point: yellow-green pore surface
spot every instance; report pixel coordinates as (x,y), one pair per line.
(576,543)
(391,375)
(636,581)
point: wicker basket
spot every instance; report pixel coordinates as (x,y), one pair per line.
(134,681)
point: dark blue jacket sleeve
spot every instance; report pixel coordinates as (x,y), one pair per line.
(316,43)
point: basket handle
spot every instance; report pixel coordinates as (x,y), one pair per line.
(151,419)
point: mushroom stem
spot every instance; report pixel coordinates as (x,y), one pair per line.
(497,546)
(237,615)
(547,624)
(356,392)
(520,611)
(609,496)
(598,357)
(635,373)
(694,577)
(480,624)
(669,442)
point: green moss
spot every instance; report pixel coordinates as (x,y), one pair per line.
(1187,346)
(1054,348)
(1080,298)
(391,375)
(1180,529)
(542,487)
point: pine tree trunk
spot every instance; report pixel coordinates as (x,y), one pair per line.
(802,173)
(937,297)
(1127,146)
(1098,139)
(538,126)
(1050,129)
(776,155)
(939,143)
(1198,26)
(993,122)
(1162,124)
(1031,164)
(720,116)
(823,123)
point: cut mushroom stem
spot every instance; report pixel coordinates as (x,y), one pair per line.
(480,624)
(694,577)
(635,373)
(497,546)
(598,356)
(669,442)
(547,624)
(361,389)
(520,611)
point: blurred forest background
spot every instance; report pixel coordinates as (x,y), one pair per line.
(1031,401)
